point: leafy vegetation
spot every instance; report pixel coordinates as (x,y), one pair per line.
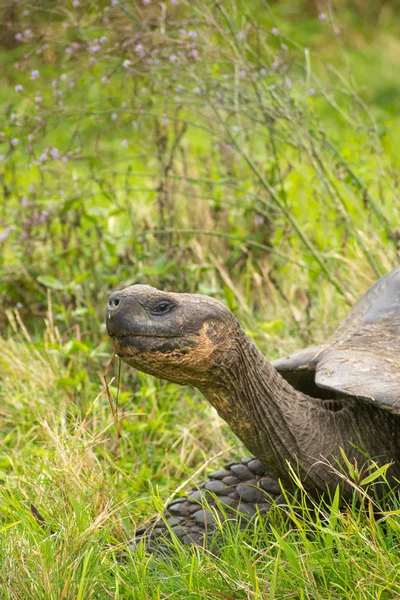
(243,150)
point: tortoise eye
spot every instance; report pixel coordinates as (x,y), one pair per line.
(162,308)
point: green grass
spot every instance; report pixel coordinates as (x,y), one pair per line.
(274,191)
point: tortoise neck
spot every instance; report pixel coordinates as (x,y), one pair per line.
(279,424)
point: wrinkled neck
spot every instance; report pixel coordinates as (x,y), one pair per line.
(281,425)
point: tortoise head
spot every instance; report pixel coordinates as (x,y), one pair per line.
(183,338)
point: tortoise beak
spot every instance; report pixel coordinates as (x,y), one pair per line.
(124,315)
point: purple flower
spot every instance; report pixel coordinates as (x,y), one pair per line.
(18,37)
(125,143)
(241,36)
(63,77)
(126,63)
(95,48)
(275,31)
(242,73)
(35,74)
(55,153)
(4,235)
(27,33)
(192,34)
(25,201)
(75,3)
(174,2)
(65,25)
(38,99)
(263,72)
(196,90)
(139,47)
(194,53)
(164,120)
(311,92)
(114,2)
(103,39)
(14,116)
(173,58)
(322,17)
(146,2)
(19,305)
(104,79)
(258,220)
(114,116)
(14,142)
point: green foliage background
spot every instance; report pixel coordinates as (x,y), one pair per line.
(243,150)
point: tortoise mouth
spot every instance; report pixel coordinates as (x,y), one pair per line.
(120,336)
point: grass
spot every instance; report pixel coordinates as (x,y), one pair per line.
(259,166)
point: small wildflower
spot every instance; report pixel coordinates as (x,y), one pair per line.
(241,36)
(194,53)
(71,84)
(275,31)
(284,47)
(114,116)
(35,74)
(174,2)
(311,92)
(54,83)
(31,137)
(196,90)
(114,2)
(242,73)
(4,235)
(19,305)
(75,3)
(55,153)
(146,2)
(92,60)
(165,120)
(25,201)
(125,143)
(18,37)
(104,79)
(126,63)
(38,99)
(172,58)
(322,17)
(2,157)
(15,142)
(65,25)
(14,116)
(263,72)
(95,48)
(258,220)
(139,47)
(64,77)
(27,33)
(192,34)
(103,39)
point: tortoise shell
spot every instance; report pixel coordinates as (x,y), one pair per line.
(362,358)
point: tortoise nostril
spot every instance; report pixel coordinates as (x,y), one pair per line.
(113,302)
